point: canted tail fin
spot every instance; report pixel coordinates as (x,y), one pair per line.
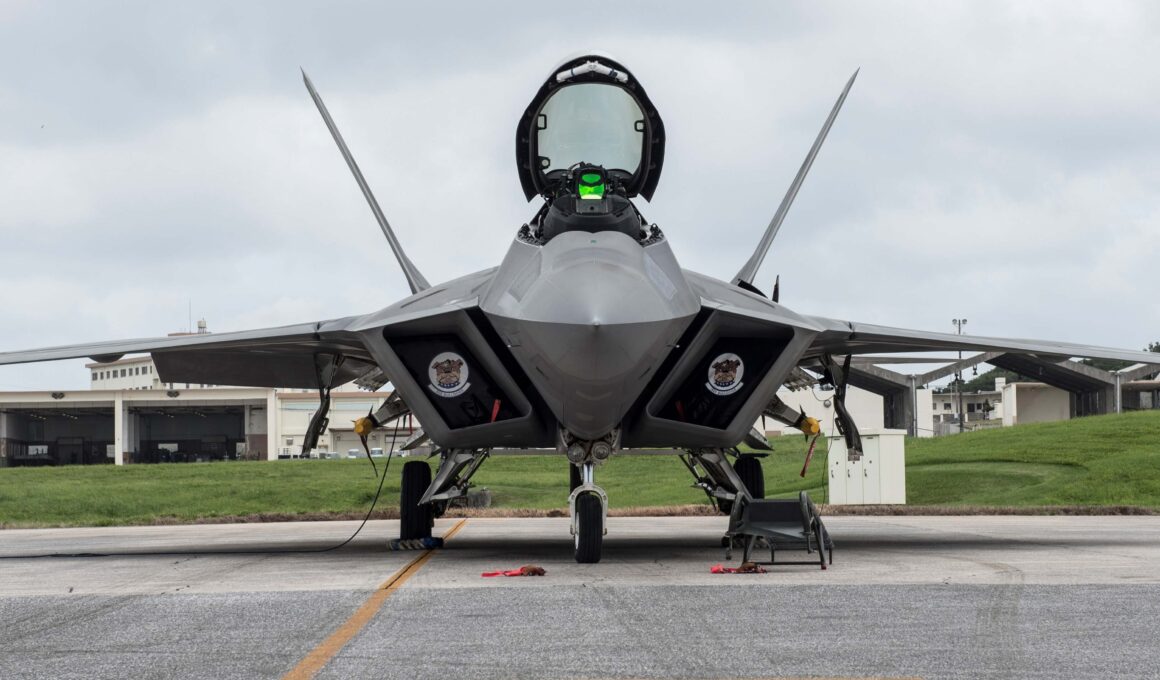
(749,271)
(414,279)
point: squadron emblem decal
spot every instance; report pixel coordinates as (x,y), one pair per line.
(448,374)
(725,374)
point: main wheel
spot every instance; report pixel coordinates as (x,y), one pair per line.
(574,479)
(748,468)
(589,528)
(415,521)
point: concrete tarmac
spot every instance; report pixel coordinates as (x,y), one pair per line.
(931,597)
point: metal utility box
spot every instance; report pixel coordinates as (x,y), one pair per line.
(878,476)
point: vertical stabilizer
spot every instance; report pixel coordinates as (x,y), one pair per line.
(749,271)
(414,279)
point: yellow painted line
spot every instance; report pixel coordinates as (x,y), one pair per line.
(332,645)
(454,530)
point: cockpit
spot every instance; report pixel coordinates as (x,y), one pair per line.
(589,123)
(588,143)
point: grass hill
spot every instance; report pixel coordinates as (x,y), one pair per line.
(1102,460)
(1098,460)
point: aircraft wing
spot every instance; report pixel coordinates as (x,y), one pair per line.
(286,356)
(849,337)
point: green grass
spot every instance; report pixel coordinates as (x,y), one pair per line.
(1101,460)
(108,495)
(1105,460)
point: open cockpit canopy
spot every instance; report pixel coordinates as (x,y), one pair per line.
(590,111)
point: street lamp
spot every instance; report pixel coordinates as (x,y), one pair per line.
(959,323)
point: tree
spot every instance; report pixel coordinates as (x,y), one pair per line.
(1152,347)
(985,382)
(1114,364)
(1106,364)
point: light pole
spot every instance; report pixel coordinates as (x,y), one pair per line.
(959,323)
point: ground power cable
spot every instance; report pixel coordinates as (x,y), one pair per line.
(271,551)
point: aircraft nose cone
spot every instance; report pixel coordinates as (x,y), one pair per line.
(591,329)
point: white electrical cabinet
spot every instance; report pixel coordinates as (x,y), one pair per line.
(878,476)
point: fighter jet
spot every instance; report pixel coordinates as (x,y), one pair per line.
(588,338)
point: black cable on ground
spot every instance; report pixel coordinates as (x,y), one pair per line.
(287,551)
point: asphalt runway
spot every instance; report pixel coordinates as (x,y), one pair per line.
(929,597)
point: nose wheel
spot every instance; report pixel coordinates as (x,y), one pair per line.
(589,528)
(589,509)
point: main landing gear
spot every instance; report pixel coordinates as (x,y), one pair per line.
(415,519)
(423,499)
(723,482)
(748,469)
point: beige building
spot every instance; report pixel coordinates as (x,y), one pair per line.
(135,425)
(133,373)
(294,410)
(980,405)
(1034,403)
(129,416)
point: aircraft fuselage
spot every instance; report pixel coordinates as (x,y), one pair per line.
(589,317)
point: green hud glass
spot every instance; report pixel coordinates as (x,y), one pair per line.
(590,184)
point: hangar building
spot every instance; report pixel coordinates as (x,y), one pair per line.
(129,416)
(135,425)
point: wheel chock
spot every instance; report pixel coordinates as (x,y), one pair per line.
(415,544)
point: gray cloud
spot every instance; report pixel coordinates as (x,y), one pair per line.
(994,161)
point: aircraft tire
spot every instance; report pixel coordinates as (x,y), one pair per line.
(573,477)
(748,468)
(415,521)
(589,528)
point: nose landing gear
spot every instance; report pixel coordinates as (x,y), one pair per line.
(588,504)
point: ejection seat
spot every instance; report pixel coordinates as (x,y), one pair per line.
(592,201)
(783,524)
(589,142)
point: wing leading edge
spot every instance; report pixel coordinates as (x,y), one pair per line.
(284,356)
(848,337)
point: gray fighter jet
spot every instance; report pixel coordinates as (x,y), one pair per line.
(587,338)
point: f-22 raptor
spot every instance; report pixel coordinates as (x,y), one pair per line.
(588,338)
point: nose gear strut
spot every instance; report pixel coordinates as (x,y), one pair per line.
(588,503)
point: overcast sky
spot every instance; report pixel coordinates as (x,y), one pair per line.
(999,162)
